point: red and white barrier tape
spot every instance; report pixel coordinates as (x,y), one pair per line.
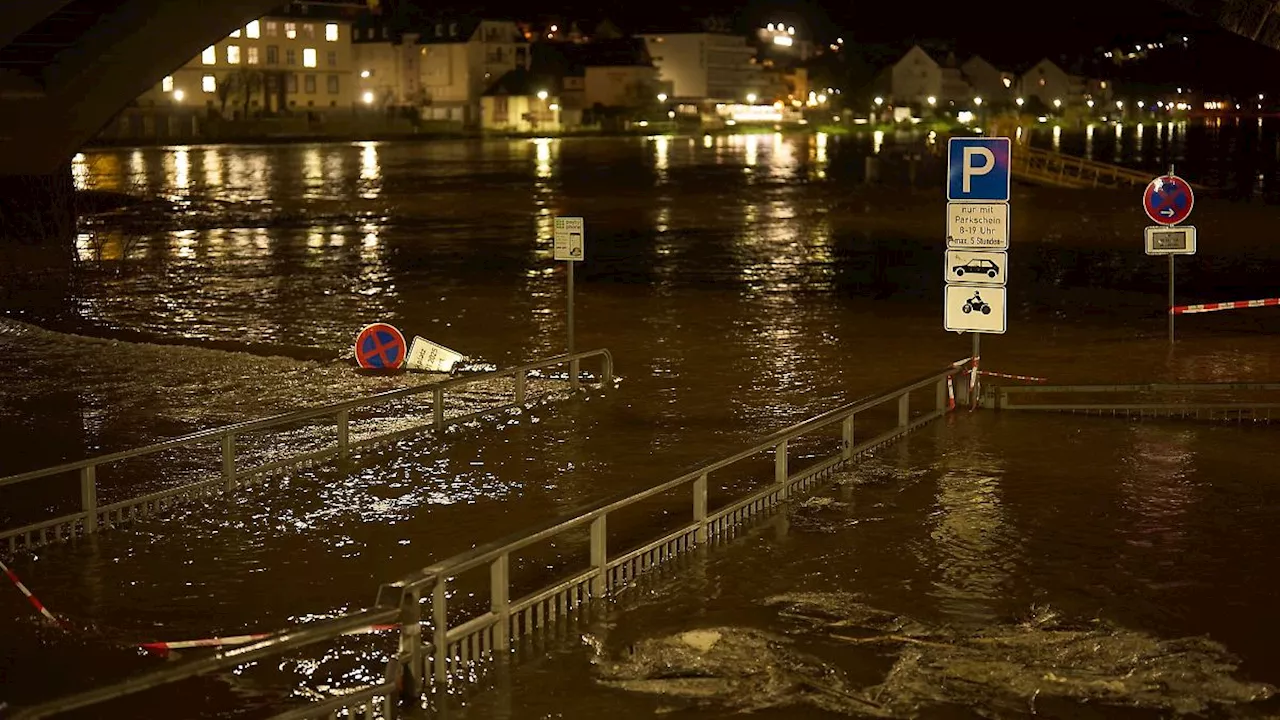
(1006,376)
(973,383)
(951,394)
(1214,307)
(163,648)
(35,601)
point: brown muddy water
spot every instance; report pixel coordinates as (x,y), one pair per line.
(742,283)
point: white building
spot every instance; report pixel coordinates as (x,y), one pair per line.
(276,63)
(443,69)
(706,66)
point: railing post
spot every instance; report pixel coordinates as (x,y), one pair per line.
(437,408)
(904,409)
(520,380)
(411,639)
(600,556)
(229,462)
(606,373)
(344,434)
(89,497)
(846,437)
(780,466)
(700,508)
(500,601)
(393,672)
(573,373)
(940,395)
(440,629)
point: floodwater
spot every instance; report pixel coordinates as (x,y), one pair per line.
(742,283)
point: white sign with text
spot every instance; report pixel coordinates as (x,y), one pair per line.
(979,226)
(569,239)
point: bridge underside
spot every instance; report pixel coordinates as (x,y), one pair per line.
(1254,19)
(68,66)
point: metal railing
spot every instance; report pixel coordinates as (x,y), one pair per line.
(93,516)
(1036,165)
(1150,400)
(451,652)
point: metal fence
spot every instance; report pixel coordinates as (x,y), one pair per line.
(452,652)
(93,516)
(1231,402)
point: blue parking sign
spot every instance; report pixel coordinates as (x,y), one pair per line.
(978,169)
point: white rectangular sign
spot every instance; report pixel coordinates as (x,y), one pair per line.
(1165,240)
(975,309)
(980,226)
(977,267)
(569,239)
(426,355)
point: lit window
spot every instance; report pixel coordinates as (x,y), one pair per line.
(209,84)
(233,54)
(209,56)
(252,30)
(272,28)
(291,30)
(235,33)
(331,32)
(166,85)
(253,55)
(308,57)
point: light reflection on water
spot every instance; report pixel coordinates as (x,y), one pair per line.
(713,272)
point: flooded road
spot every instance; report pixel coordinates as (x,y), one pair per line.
(742,283)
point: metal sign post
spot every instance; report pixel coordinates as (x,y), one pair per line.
(1168,200)
(569,247)
(976,262)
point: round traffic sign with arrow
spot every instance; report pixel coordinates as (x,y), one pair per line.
(1168,200)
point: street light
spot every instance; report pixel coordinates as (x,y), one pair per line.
(553,107)
(368,97)
(977,101)
(751,98)
(1057,102)
(542,94)
(933,100)
(1020,102)
(1141,104)
(1119,104)
(1089,103)
(178,95)
(662,97)
(879,101)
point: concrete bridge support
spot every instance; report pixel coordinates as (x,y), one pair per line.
(66,68)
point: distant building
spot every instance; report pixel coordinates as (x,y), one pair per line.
(988,82)
(522,103)
(1048,82)
(443,68)
(918,77)
(297,58)
(706,66)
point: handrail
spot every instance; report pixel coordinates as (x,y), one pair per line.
(282,641)
(486,553)
(401,600)
(297,416)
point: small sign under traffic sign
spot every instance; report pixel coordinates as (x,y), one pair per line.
(977,267)
(978,225)
(1164,240)
(976,309)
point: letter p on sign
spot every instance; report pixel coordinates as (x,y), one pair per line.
(978,169)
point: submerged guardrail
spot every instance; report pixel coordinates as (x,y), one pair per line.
(450,652)
(93,516)
(1189,401)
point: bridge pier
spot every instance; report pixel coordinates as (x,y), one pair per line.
(38,209)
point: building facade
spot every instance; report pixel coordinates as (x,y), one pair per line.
(288,62)
(989,82)
(706,66)
(441,68)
